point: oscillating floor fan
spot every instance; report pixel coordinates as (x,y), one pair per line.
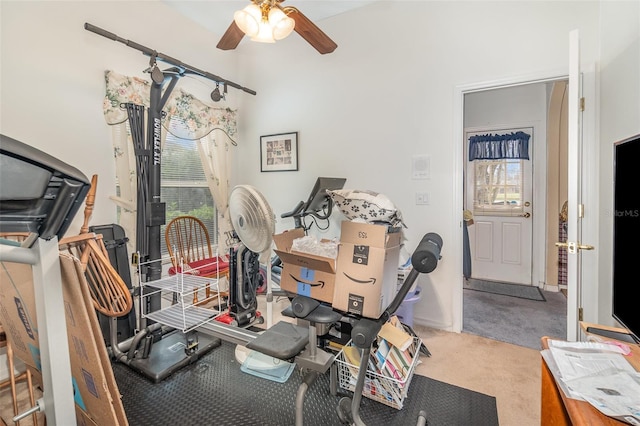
(254,222)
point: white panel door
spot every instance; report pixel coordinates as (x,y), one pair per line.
(499,194)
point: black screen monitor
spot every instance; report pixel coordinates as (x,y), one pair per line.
(39,194)
(626,234)
(319,199)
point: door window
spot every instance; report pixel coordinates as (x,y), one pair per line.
(498,187)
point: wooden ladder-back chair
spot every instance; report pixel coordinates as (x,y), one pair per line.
(189,247)
(109,292)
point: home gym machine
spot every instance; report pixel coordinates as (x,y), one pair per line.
(159,360)
(288,341)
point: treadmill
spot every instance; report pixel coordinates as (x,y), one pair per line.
(40,195)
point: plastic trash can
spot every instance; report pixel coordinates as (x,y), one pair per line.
(405,311)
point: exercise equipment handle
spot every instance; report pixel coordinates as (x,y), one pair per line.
(426,255)
(293,212)
(424,260)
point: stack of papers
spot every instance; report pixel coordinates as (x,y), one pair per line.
(599,374)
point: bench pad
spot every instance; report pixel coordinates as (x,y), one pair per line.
(283,340)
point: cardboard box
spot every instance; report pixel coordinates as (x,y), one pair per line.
(304,273)
(367,269)
(97,398)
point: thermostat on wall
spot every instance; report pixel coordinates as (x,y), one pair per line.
(421,167)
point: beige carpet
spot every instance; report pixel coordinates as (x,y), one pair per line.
(510,373)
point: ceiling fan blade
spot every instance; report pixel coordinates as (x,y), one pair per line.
(310,32)
(231,38)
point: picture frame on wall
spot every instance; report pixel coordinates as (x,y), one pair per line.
(279,152)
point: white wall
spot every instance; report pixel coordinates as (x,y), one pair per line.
(52,76)
(363,111)
(619,109)
(387,94)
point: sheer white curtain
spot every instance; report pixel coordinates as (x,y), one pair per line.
(215,154)
(213,128)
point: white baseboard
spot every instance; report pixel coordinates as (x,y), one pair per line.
(432,324)
(553,288)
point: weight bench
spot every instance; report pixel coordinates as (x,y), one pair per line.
(288,341)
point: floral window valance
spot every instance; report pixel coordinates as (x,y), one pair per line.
(495,147)
(199,118)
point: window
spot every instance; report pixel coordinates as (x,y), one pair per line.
(184,187)
(498,187)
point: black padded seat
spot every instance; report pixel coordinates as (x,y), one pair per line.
(322,314)
(283,340)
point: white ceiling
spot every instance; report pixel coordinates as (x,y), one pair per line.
(216,15)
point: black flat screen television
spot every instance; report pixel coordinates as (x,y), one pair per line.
(626,234)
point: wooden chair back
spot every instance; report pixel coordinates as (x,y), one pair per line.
(109,292)
(187,240)
(190,250)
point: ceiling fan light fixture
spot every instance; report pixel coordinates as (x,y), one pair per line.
(265,33)
(282,25)
(267,21)
(249,19)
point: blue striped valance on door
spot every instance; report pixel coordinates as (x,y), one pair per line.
(495,147)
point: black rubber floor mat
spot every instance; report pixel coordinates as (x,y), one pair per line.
(213,391)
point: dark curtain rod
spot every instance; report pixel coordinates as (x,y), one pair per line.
(165,58)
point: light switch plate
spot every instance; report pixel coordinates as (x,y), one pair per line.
(422,198)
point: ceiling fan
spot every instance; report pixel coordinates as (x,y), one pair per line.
(267,21)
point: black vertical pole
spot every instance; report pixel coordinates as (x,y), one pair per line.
(155,209)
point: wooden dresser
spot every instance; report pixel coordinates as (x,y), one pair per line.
(557,409)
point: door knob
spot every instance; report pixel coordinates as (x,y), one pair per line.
(527,214)
(574,247)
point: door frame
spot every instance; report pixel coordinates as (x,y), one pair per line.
(458,198)
(583,271)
